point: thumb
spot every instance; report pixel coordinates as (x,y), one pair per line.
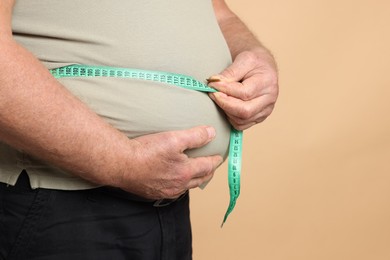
(235,72)
(196,137)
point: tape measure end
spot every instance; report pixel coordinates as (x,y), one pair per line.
(223,222)
(225,218)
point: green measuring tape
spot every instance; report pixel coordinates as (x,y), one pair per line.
(235,147)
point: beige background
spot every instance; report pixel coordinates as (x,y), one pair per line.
(316,174)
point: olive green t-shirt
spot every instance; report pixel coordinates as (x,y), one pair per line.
(173,35)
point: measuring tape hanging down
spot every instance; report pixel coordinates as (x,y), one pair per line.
(235,147)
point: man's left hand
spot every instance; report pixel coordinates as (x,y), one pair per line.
(248,88)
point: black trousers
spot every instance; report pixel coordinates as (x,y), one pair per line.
(101,223)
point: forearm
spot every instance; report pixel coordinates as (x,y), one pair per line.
(42,118)
(237,35)
(248,88)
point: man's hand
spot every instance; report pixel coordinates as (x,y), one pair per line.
(248,88)
(161,169)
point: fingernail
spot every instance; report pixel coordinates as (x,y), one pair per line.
(211,132)
(212,96)
(219,78)
(203,185)
(214,78)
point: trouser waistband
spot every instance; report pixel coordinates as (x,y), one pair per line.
(23,183)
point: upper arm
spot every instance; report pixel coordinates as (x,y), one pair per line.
(6,7)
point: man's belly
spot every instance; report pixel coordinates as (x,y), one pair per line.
(138,107)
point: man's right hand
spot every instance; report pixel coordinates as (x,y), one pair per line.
(161,169)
